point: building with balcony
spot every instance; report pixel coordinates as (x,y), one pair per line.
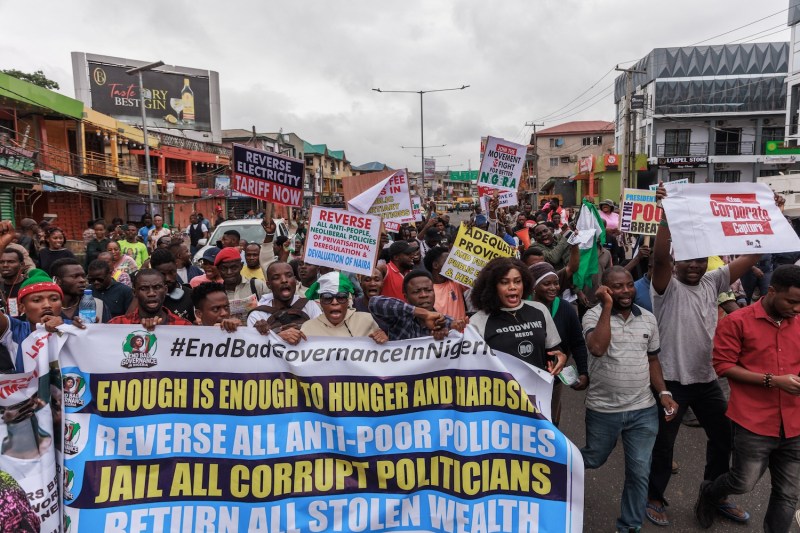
(324,171)
(558,150)
(706,113)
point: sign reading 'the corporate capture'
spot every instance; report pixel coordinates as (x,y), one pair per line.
(267,176)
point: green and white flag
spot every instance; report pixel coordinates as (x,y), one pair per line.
(589,222)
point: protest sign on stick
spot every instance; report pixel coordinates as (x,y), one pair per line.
(726,219)
(472,249)
(504,198)
(268,176)
(343,240)
(502,164)
(238,432)
(387,196)
(640,214)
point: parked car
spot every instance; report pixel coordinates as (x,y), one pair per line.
(250,230)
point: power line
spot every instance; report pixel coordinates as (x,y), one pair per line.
(740,27)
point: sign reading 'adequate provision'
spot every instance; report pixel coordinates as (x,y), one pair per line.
(268,176)
(241,432)
(342,240)
(640,214)
(726,219)
(502,164)
(471,251)
(389,199)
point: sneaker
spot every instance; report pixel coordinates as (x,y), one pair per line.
(704,509)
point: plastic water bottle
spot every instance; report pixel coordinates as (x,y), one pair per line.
(87,308)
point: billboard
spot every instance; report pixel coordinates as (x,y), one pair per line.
(175,98)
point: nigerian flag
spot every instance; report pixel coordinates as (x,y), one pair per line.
(588,221)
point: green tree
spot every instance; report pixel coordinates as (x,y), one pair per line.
(36,78)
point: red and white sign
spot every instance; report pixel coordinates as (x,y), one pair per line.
(586,164)
(390,199)
(502,163)
(342,240)
(506,198)
(271,177)
(611,161)
(726,219)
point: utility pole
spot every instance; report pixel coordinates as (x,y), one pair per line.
(535,161)
(627,161)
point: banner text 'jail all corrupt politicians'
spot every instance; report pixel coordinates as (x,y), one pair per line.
(423,434)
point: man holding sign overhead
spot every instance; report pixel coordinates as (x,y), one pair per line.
(686,309)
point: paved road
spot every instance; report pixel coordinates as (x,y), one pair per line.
(603,487)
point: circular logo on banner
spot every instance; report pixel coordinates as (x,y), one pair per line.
(140,350)
(99,76)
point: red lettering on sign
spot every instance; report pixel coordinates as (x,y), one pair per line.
(746,227)
(734,198)
(118,89)
(503,149)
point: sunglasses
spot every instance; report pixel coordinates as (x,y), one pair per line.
(328,299)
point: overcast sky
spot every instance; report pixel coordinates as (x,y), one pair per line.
(309,67)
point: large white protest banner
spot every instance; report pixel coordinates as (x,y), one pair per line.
(502,163)
(472,249)
(726,219)
(193,429)
(390,199)
(343,240)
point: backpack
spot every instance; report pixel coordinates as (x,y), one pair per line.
(281,319)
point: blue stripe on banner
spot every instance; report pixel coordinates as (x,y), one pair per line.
(424,511)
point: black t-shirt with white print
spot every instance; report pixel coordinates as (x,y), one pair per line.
(526,332)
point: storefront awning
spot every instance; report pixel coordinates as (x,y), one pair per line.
(46,101)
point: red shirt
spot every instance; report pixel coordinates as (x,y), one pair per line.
(393,283)
(750,339)
(134,318)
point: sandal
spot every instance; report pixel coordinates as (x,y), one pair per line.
(726,508)
(658,509)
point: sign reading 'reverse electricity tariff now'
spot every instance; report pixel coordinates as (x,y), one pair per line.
(472,249)
(726,219)
(640,214)
(194,429)
(343,240)
(502,164)
(267,176)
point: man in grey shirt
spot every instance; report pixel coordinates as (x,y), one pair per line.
(686,309)
(623,340)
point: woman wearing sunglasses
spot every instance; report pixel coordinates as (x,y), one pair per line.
(334,292)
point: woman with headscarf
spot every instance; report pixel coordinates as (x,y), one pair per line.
(334,292)
(546,290)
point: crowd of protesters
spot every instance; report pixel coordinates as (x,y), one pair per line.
(643,331)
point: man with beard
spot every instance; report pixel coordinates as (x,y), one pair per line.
(183,261)
(758,350)
(12,277)
(178,298)
(400,263)
(116,296)
(623,340)
(284,302)
(414,316)
(70,276)
(212,308)
(556,250)
(243,294)
(150,290)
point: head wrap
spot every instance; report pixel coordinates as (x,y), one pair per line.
(227,254)
(541,271)
(38,281)
(330,283)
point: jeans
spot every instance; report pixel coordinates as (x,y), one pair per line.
(750,282)
(638,429)
(709,406)
(752,455)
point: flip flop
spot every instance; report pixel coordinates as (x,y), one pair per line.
(654,519)
(725,510)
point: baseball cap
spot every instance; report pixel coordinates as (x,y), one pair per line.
(210,254)
(400,247)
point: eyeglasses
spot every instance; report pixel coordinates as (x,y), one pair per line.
(327,299)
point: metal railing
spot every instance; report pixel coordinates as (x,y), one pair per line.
(679,149)
(734,148)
